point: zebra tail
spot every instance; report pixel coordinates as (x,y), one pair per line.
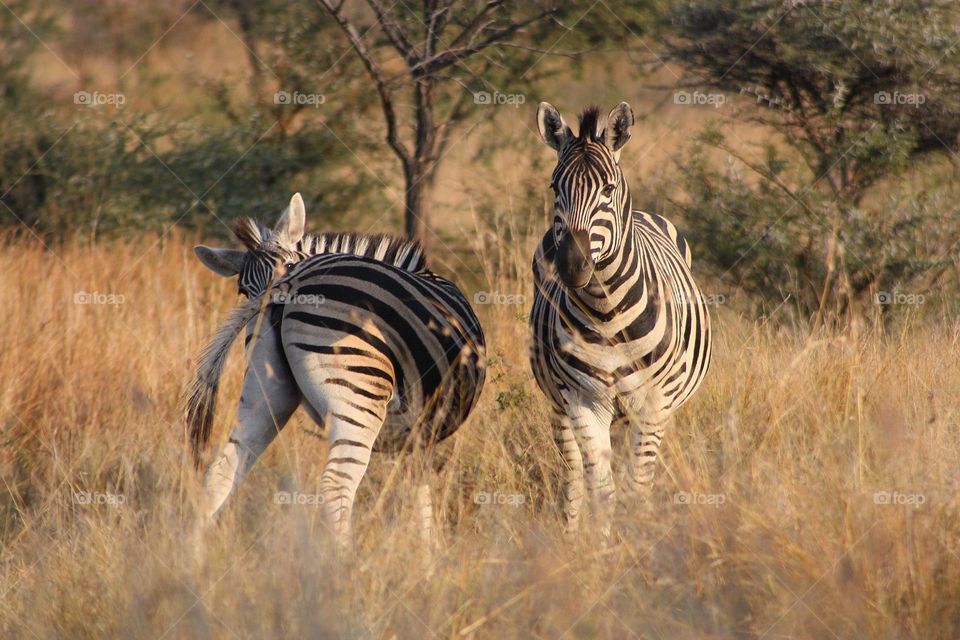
(200,397)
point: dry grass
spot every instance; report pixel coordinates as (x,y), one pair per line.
(792,435)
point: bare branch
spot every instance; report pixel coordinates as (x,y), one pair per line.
(475,25)
(373,69)
(396,35)
(553,52)
(452,55)
(436,21)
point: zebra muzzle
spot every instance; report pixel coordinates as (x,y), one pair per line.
(573,259)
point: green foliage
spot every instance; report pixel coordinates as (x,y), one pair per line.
(110,175)
(107,169)
(859,91)
(800,246)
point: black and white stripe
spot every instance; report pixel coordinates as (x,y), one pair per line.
(263,254)
(375,347)
(621,332)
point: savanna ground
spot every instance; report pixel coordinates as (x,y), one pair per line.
(808,490)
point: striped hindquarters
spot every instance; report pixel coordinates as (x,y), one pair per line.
(374,328)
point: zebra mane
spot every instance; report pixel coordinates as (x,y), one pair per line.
(398,252)
(250,232)
(589,122)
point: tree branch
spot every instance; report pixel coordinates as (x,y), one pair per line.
(396,35)
(373,69)
(436,21)
(475,25)
(452,55)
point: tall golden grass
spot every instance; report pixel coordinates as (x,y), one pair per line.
(809,490)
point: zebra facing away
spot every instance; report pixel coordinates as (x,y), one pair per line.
(621,332)
(355,329)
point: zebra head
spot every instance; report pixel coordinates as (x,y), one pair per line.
(267,251)
(592,207)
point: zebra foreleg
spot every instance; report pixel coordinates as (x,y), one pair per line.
(269,398)
(591,427)
(646,434)
(426,520)
(572,483)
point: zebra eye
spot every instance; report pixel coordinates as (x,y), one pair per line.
(608,190)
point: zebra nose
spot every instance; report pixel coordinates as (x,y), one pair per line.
(573,258)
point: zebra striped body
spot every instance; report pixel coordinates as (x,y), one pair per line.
(647,327)
(621,332)
(380,329)
(376,348)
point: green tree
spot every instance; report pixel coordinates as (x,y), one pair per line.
(858,91)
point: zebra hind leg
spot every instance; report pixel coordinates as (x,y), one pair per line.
(269,398)
(353,421)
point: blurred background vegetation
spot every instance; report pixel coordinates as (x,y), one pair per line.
(808,149)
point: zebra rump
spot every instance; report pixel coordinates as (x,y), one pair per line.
(200,397)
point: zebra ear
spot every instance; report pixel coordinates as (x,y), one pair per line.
(618,127)
(553,129)
(225,262)
(292,222)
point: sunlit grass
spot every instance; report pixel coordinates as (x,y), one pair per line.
(770,516)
